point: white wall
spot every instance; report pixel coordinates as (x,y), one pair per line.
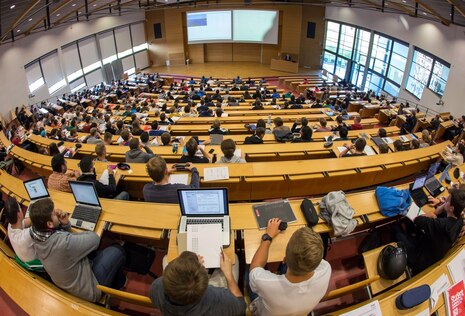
(447,43)
(14,90)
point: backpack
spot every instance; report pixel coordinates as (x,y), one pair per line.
(336,211)
(284,138)
(392,201)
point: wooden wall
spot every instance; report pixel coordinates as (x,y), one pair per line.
(292,37)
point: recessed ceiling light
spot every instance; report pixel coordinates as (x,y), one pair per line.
(58,14)
(79,12)
(424,13)
(13,6)
(95,5)
(30,19)
(73,5)
(404,1)
(17,31)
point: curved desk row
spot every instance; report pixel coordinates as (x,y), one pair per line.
(259,180)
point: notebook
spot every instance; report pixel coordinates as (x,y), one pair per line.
(87,209)
(203,207)
(279,209)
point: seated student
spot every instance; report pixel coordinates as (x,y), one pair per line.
(383,148)
(155,131)
(126,136)
(409,124)
(357,149)
(145,140)
(256,138)
(357,124)
(184,290)
(136,154)
(165,120)
(216,128)
(65,254)
(340,123)
(275,94)
(382,132)
(59,178)
(161,191)
(280,129)
(257,105)
(18,232)
(103,191)
(322,127)
(343,133)
(228,147)
(190,155)
(94,137)
(433,233)
(414,144)
(101,152)
(425,139)
(305,135)
(107,138)
(303,285)
(73,136)
(302,122)
(398,145)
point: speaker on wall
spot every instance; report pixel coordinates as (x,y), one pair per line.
(157,30)
(311,26)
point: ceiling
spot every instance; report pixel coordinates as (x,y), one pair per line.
(21,18)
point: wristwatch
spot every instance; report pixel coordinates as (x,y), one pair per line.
(266,237)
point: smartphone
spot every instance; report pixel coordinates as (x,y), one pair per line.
(113,167)
(211,151)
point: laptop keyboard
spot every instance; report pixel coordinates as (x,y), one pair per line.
(201,221)
(86,214)
(433,185)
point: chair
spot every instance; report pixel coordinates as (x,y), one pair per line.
(124,296)
(352,288)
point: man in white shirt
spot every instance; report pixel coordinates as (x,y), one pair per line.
(305,282)
(18,232)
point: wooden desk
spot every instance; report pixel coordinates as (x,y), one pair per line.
(443,127)
(283,65)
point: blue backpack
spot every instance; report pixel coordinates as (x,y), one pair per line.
(392,201)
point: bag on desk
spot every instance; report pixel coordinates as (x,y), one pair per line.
(392,201)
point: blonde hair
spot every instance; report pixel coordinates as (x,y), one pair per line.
(304,251)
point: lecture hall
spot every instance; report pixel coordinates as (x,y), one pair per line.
(177,157)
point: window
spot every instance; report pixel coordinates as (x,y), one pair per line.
(123,41)
(341,67)
(375,82)
(89,54)
(359,57)
(439,78)
(34,76)
(106,42)
(332,36)
(380,54)
(72,62)
(346,41)
(328,61)
(420,70)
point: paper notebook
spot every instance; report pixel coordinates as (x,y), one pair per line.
(207,241)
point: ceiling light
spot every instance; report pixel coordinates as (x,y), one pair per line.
(424,13)
(404,1)
(58,14)
(79,12)
(30,19)
(95,5)
(13,6)
(73,5)
(18,31)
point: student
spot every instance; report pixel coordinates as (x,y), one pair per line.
(18,232)
(94,137)
(65,254)
(305,135)
(303,285)
(382,133)
(216,128)
(323,127)
(190,155)
(343,133)
(228,147)
(183,289)
(354,150)
(433,233)
(107,191)
(398,145)
(136,154)
(302,122)
(357,124)
(280,129)
(160,190)
(59,178)
(101,152)
(256,138)
(383,148)
(155,131)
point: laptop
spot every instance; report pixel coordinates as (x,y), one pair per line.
(434,185)
(36,190)
(87,210)
(417,193)
(205,206)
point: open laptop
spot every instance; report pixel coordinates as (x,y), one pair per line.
(205,206)
(87,210)
(432,184)
(417,192)
(36,190)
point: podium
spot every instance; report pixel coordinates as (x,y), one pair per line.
(283,65)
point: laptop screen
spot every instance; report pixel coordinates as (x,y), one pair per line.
(419,182)
(203,202)
(36,189)
(84,192)
(432,169)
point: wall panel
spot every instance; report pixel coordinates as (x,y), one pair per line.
(218,52)
(247,52)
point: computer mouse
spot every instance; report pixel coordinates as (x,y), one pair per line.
(282,226)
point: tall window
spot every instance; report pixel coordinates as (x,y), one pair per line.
(387,65)
(429,71)
(359,57)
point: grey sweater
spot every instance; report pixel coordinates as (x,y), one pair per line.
(138,155)
(64,256)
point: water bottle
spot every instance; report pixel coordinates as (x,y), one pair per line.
(175,147)
(269,120)
(214,158)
